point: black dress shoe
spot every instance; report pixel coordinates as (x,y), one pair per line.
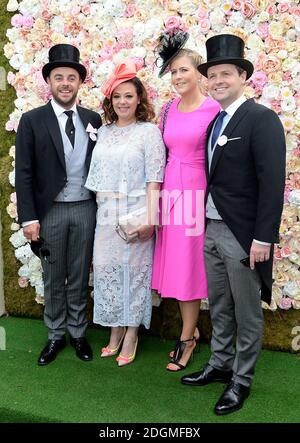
(50,351)
(83,349)
(232,399)
(207,375)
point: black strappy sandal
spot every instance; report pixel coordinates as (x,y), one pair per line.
(178,352)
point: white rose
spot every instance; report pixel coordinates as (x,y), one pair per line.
(16,61)
(291,35)
(13,34)
(14,226)
(263,17)
(23,253)
(271,92)
(24,271)
(152,27)
(12,5)
(291,289)
(138,32)
(115,8)
(30,7)
(17,239)
(236,20)
(11,178)
(294,197)
(255,43)
(288,105)
(57,24)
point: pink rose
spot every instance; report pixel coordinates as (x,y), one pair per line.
(130,10)
(36,46)
(263,30)
(75,11)
(295,11)
(47,15)
(237,5)
(107,52)
(27,21)
(259,79)
(173,23)
(9,126)
(23,282)
(248,9)
(139,62)
(271,9)
(282,7)
(17,20)
(271,64)
(287,77)
(285,303)
(286,251)
(86,9)
(202,13)
(204,25)
(276,106)
(277,254)
(13,197)
(11,77)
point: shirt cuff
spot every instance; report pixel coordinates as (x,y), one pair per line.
(29,223)
(262,242)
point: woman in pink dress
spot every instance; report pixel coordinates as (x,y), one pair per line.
(179,270)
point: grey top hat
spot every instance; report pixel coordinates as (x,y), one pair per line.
(226,48)
(64,55)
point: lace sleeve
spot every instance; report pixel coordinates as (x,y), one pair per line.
(155,154)
(93,182)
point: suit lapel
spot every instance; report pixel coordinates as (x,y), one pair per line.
(84,117)
(234,121)
(208,131)
(54,131)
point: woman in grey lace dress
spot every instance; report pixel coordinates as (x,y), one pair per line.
(126,169)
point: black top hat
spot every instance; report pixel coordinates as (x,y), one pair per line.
(64,55)
(36,246)
(226,48)
(168,47)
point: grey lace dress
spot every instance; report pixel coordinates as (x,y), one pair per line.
(124,160)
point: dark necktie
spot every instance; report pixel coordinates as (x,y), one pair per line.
(217,128)
(70,128)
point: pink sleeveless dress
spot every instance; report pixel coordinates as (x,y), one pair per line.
(178,269)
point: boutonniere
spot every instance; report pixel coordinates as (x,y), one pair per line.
(92,132)
(223,140)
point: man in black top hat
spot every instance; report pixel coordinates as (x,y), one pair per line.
(244,200)
(53,153)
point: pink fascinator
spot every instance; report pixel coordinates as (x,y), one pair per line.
(123,72)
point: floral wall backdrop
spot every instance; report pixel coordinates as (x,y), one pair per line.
(107,31)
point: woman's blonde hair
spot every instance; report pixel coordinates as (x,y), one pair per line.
(195,57)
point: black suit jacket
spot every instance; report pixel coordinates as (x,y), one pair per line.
(40,161)
(247,178)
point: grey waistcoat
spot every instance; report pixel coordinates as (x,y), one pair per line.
(74,189)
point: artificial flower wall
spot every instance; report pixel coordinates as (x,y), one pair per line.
(107,31)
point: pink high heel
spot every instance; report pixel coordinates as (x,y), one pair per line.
(123,361)
(109,352)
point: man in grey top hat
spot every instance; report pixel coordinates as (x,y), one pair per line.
(53,153)
(244,200)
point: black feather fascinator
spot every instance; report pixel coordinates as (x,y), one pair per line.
(168,47)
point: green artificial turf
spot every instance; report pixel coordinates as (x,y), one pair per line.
(71,391)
